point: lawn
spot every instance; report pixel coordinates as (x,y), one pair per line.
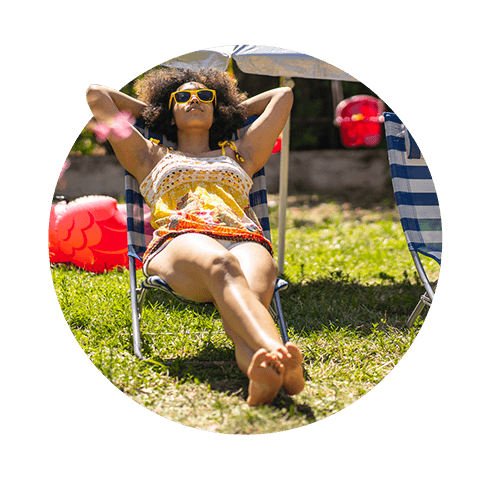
(352,286)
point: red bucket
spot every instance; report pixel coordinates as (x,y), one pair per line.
(359,119)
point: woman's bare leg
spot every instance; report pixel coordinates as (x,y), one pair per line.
(261,273)
(199,268)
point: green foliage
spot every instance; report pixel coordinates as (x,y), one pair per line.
(85,143)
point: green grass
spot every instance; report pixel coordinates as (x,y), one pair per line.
(352,286)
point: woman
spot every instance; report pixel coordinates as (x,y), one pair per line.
(208,245)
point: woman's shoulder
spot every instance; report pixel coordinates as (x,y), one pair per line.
(146,163)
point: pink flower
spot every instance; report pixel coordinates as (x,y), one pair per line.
(102,131)
(121,127)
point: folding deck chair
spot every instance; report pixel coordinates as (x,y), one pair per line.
(417,203)
(138,239)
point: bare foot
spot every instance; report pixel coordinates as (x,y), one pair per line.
(266,377)
(293,381)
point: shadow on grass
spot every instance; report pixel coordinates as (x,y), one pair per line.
(336,301)
(339,302)
(328,303)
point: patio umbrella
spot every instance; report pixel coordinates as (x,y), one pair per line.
(260,60)
(271,61)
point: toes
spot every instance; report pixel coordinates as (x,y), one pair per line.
(282,352)
(293,351)
(271,357)
(274,363)
(279,368)
(260,357)
(266,378)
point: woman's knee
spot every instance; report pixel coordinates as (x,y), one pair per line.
(259,268)
(211,266)
(223,265)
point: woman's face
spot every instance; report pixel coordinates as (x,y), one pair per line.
(194,113)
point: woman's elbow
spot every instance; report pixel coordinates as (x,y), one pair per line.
(97,99)
(93,94)
(287,96)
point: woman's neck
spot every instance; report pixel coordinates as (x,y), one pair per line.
(192,143)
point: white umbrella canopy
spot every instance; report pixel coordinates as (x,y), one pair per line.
(261,60)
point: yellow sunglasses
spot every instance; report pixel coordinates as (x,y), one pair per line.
(205,95)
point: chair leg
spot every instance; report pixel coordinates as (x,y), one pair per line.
(281,321)
(418,309)
(427,297)
(424,300)
(137,347)
(142,293)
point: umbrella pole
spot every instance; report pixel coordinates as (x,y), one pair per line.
(283,195)
(283,191)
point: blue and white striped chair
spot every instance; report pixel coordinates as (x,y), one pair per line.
(417,202)
(138,241)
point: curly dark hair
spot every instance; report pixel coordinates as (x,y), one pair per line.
(156,87)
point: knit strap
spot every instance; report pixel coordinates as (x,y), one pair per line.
(157,142)
(233,147)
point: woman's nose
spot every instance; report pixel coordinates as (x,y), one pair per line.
(194,97)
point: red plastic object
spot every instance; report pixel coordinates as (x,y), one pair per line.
(278,145)
(359,119)
(90,232)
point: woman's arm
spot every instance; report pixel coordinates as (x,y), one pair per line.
(273,108)
(132,151)
(256,105)
(121,101)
